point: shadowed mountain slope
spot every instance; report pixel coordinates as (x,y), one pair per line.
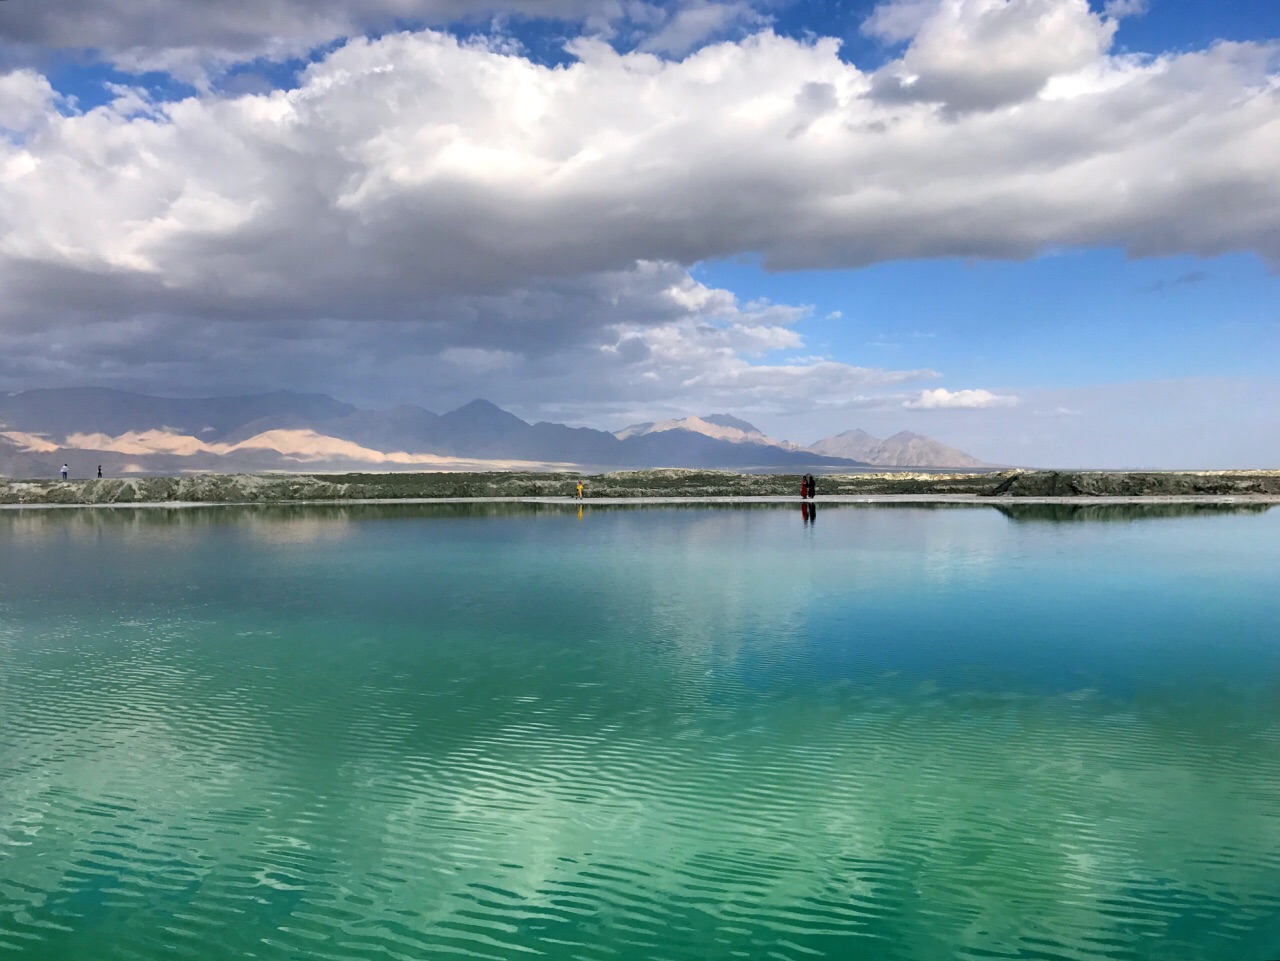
(135,433)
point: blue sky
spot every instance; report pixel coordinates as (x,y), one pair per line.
(1076,318)
(1041,230)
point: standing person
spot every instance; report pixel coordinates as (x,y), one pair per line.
(99,472)
(579,490)
(804,486)
(813,486)
(64,471)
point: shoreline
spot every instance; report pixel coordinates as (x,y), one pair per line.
(954,500)
(652,487)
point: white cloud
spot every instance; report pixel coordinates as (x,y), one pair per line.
(1170,425)
(425,211)
(1125,8)
(710,360)
(981,54)
(691,25)
(899,21)
(26,98)
(943,399)
(415,165)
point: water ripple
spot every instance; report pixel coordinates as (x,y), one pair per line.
(666,766)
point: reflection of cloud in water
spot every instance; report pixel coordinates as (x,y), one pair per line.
(747,573)
(177,526)
(298,529)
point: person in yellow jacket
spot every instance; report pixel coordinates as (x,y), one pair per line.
(579,490)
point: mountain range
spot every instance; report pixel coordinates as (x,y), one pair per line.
(130,433)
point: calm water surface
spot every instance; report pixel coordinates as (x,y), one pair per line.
(894,733)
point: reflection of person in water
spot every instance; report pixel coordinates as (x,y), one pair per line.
(808,511)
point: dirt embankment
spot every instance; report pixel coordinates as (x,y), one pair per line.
(300,488)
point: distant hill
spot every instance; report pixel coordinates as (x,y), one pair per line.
(850,440)
(903,449)
(728,420)
(283,431)
(719,426)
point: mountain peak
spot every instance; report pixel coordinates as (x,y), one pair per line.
(858,434)
(903,449)
(717,426)
(286,430)
(484,414)
(728,420)
(479,404)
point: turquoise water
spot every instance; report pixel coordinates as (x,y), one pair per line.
(425,732)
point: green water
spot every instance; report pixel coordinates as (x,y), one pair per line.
(892,733)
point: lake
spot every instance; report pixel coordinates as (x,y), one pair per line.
(655,733)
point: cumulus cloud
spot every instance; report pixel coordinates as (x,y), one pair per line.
(449,210)
(943,399)
(416,164)
(691,25)
(26,98)
(982,54)
(608,345)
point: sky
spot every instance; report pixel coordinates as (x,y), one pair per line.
(1044,231)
